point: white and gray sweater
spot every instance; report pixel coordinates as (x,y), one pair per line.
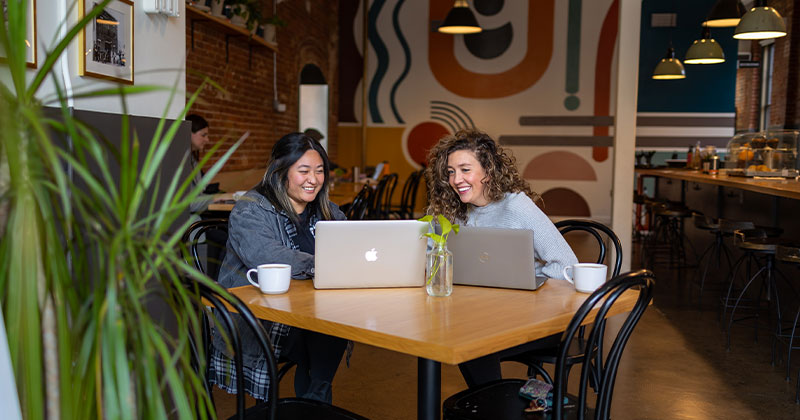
(518,211)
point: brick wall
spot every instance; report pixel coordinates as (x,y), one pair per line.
(785,78)
(246,101)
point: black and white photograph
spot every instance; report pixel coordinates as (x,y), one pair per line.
(108,42)
(30,37)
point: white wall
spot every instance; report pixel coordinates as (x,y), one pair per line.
(159,59)
(314,110)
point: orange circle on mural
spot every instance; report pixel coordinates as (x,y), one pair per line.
(422,137)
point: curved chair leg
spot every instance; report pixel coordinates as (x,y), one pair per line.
(735,305)
(724,306)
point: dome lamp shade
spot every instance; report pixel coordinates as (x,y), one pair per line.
(460,20)
(761,22)
(725,13)
(705,50)
(669,68)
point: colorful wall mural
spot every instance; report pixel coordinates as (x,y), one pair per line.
(539,79)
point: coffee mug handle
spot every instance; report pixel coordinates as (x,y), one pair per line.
(566,276)
(252,270)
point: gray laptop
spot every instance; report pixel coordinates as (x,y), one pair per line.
(494,257)
(369,253)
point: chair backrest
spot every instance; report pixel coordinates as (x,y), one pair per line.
(375,210)
(413,196)
(192,241)
(230,327)
(358,208)
(388,193)
(594,228)
(602,366)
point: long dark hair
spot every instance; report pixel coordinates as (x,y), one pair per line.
(198,123)
(500,167)
(274,186)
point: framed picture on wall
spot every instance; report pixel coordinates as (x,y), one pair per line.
(30,36)
(107,42)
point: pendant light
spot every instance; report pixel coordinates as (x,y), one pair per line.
(460,20)
(761,22)
(725,13)
(705,50)
(669,68)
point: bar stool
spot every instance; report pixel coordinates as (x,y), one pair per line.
(756,243)
(667,234)
(789,254)
(715,250)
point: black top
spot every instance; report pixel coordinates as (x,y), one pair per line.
(304,240)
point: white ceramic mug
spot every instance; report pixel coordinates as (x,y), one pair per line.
(272,279)
(586,276)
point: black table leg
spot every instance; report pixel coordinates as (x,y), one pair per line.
(429,389)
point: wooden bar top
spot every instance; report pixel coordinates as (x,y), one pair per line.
(472,322)
(788,187)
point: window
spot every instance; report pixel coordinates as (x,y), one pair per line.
(767,55)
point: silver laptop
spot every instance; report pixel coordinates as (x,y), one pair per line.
(369,253)
(494,257)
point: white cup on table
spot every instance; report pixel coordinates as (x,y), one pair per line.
(587,277)
(272,279)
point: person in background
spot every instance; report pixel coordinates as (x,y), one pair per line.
(474,182)
(274,223)
(215,239)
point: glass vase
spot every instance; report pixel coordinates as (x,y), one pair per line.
(439,271)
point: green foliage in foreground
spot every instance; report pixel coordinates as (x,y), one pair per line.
(87,246)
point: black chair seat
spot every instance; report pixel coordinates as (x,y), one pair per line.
(762,245)
(300,408)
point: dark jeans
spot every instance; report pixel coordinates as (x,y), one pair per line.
(485,369)
(317,356)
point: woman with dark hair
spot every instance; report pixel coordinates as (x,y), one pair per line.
(474,182)
(274,223)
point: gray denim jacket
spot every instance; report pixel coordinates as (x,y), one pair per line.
(260,234)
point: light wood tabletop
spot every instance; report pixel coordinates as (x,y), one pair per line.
(788,188)
(472,322)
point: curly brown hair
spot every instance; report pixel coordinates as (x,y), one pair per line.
(500,167)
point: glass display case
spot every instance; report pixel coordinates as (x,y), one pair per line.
(763,153)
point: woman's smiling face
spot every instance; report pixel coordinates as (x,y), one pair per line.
(305,179)
(466,175)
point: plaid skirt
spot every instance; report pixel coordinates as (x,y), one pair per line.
(221,369)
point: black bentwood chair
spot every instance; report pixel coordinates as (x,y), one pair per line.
(536,358)
(215,232)
(287,408)
(408,196)
(214,229)
(500,400)
(357,210)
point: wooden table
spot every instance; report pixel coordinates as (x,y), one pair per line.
(341,193)
(472,322)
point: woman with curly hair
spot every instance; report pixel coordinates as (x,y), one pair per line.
(474,182)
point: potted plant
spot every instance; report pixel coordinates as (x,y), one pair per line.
(86,245)
(439,260)
(270,28)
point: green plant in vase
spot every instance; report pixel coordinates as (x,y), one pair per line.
(439,260)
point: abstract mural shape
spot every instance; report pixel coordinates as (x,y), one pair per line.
(565,202)
(572,102)
(488,7)
(421,138)
(382,58)
(490,43)
(602,75)
(349,55)
(454,77)
(451,114)
(406,54)
(564,166)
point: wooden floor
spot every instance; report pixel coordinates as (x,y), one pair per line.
(674,367)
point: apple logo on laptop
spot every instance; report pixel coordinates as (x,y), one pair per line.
(371,255)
